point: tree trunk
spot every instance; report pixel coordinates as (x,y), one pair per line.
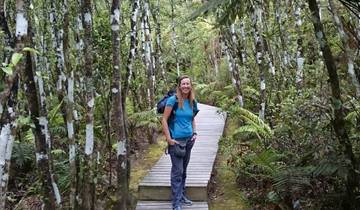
(231,45)
(299,52)
(118,128)
(158,50)
(234,76)
(88,191)
(282,42)
(173,37)
(9,40)
(148,55)
(133,49)
(69,109)
(350,201)
(7,136)
(259,47)
(348,52)
(37,108)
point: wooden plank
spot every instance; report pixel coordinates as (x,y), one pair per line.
(151,205)
(197,192)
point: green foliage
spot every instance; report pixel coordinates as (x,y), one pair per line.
(8,68)
(293,179)
(61,170)
(253,124)
(23,157)
(144,119)
(15,58)
(353,120)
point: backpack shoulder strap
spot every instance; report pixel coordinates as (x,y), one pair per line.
(175,104)
(195,109)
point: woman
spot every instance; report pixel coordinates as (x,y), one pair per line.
(179,129)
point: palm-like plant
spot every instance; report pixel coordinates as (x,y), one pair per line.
(253,125)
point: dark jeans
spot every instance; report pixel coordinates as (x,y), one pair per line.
(178,171)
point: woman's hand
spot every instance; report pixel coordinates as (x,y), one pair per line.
(193,138)
(172,141)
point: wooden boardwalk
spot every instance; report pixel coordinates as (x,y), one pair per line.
(154,190)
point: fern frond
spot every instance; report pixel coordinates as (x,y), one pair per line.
(210,5)
(248,90)
(329,168)
(293,179)
(254,124)
(147,118)
(245,129)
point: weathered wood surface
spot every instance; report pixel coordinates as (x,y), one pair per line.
(155,187)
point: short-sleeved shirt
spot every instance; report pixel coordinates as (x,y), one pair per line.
(180,125)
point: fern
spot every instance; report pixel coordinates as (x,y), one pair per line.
(23,154)
(325,169)
(147,118)
(265,163)
(253,125)
(293,179)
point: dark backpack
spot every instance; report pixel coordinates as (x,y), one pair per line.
(160,107)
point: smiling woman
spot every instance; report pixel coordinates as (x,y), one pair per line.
(180,135)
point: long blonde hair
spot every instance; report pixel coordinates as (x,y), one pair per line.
(179,95)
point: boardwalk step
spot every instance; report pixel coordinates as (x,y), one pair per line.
(158,205)
(162,192)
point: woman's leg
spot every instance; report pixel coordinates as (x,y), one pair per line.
(189,146)
(176,177)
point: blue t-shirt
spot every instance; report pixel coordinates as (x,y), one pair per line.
(180,125)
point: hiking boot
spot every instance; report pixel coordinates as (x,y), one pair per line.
(186,201)
(177,208)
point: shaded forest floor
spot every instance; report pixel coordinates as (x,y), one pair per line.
(224,193)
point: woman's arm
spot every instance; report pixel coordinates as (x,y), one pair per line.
(165,126)
(194,130)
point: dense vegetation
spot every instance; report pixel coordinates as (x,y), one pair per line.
(80,79)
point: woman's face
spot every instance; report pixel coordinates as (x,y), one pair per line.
(185,85)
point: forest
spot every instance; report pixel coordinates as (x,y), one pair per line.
(80,81)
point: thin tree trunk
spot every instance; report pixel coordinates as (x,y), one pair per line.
(9,40)
(88,191)
(37,109)
(348,52)
(133,49)
(267,43)
(349,202)
(242,42)
(7,136)
(259,47)
(69,109)
(232,66)
(281,46)
(173,37)
(300,52)
(215,55)
(72,80)
(117,123)
(148,59)
(233,55)
(158,51)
